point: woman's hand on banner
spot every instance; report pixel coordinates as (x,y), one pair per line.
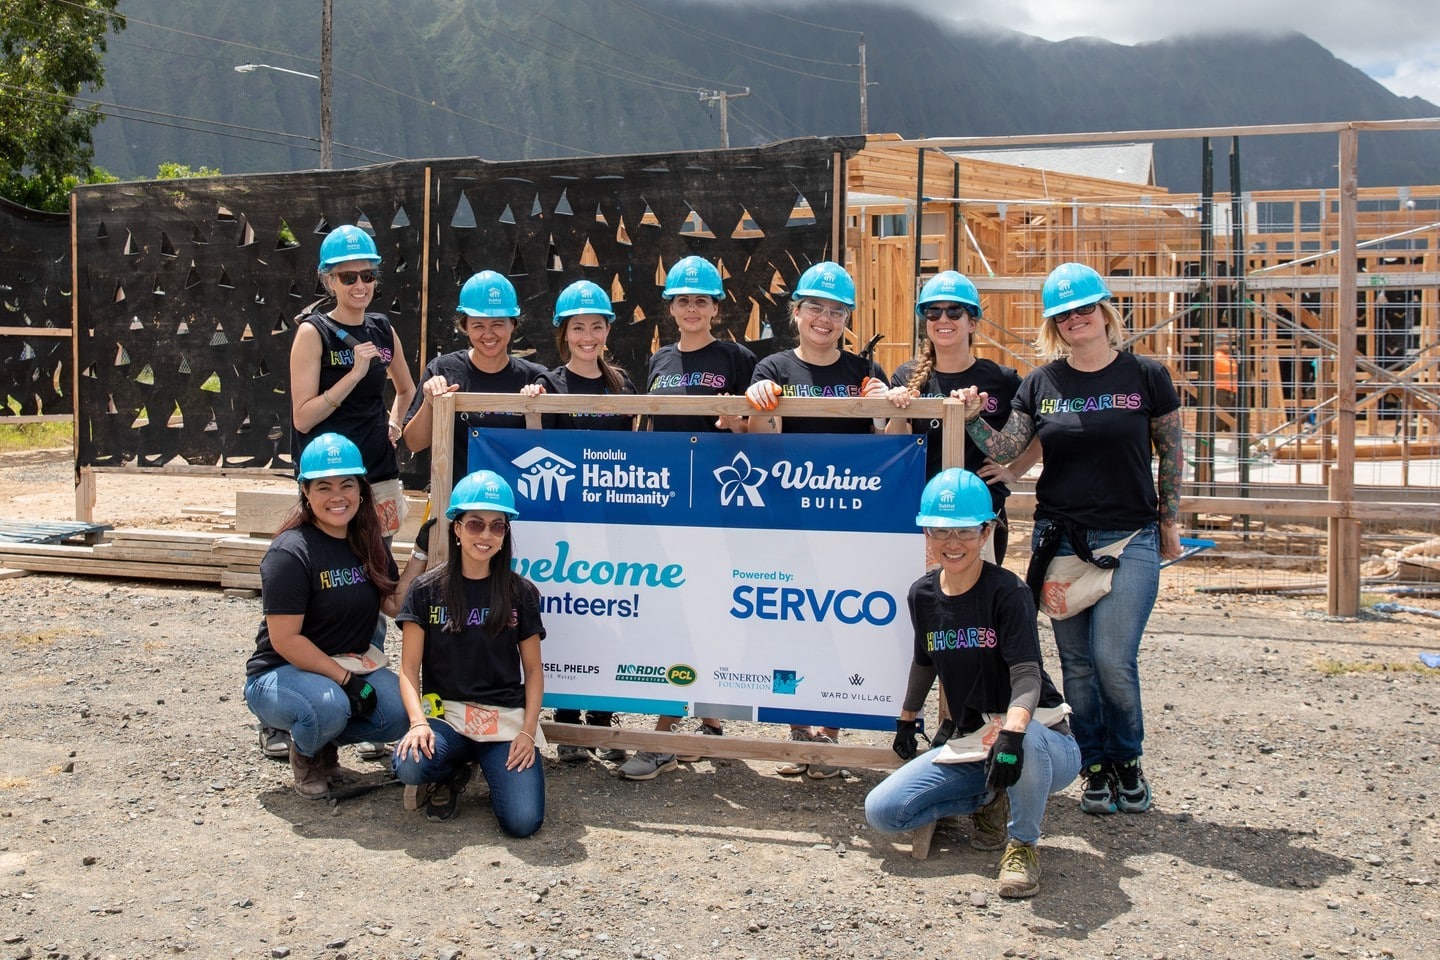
(763,395)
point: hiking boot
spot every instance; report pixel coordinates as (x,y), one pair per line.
(1019,870)
(310,780)
(822,771)
(444,801)
(1099,794)
(989,826)
(1132,794)
(328,760)
(274,742)
(792,768)
(646,765)
(572,753)
(705,730)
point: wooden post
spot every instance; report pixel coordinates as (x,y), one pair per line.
(425,273)
(84,478)
(1343,533)
(442,448)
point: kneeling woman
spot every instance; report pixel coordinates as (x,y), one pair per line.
(472,630)
(324,580)
(974,625)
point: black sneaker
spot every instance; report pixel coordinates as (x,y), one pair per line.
(1100,788)
(1132,794)
(444,801)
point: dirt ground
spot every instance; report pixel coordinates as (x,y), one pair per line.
(1295,807)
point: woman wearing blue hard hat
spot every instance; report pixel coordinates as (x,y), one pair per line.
(583,316)
(697,364)
(1102,415)
(819,366)
(948,310)
(470,674)
(325,579)
(973,625)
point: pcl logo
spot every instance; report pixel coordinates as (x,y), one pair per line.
(740,482)
(681,675)
(543,475)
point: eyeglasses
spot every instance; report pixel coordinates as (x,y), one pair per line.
(963,534)
(348,277)
(814,309)
(475,526)
(1084,311)
(953,312)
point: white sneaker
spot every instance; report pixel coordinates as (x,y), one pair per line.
(647,766)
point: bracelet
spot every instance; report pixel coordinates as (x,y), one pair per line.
(326,395)
(522,733)
(419,723)
(396,426)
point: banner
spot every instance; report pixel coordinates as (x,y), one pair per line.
(741,577)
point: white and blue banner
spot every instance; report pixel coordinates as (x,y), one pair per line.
(742,577)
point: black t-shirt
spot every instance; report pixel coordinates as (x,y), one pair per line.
(721,366)
(973,639)
(457,368)
(472,665)
(564,380)
(800,379)
(1094,433)
(997,381)
(361,418)
(308,572)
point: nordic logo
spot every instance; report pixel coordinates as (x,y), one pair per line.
(543,475)
(740,482)
(680,674)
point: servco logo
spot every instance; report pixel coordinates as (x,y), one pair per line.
(680,674)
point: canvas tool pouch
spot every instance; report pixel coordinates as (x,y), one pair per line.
(485,724)
(1066,585)
(390,505)
(362,663)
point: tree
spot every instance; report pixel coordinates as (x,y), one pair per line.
(49,52)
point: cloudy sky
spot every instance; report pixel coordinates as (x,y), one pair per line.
(1395,41)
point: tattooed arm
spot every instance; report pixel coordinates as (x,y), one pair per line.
(1007,443)
(1165,437)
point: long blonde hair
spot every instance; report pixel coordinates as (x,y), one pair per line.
(1051,345)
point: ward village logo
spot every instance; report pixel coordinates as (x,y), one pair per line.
(605,477)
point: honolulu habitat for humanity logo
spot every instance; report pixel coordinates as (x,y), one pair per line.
(740,482)
(543,475)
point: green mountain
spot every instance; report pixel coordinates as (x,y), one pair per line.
(504,79)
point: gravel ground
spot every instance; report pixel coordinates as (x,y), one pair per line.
(1294,812)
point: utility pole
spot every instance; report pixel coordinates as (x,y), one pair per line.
(327,140)
(723,99)
(864,100)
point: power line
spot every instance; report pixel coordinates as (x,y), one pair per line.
(803,23)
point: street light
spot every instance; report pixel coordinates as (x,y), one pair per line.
(326,140)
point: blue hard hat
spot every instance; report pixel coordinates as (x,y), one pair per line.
(949,286)
(955,498)
(693,275)
(580,297)
(1072,285)
(827,280)
(482,490)
(489,294)
(331,455)
(347,243)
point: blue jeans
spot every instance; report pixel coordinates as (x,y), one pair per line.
(316,711)
(923,791)
(517,796)
(1100,651)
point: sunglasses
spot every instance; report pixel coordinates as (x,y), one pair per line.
(1084,311)
(963,534)
(475,526)
(953,312)
(348,277)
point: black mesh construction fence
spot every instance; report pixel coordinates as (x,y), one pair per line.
(35,296)
(188,288)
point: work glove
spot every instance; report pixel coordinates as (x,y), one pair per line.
(906,739)
(362,696)
(944,732)
(873,387)
(763,395)
(1007,756)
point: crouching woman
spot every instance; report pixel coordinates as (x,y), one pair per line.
(974,625)
(470,673)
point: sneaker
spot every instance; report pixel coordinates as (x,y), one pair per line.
(1132,794)
(1019,870)
(990,825)
(611,754)
(310,780)
(822,771)
(1099,795)
(647,766)
(417,795)
(274,742)
(369,750)
(705,730)
(572,753)
(444,801)
(793,768)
